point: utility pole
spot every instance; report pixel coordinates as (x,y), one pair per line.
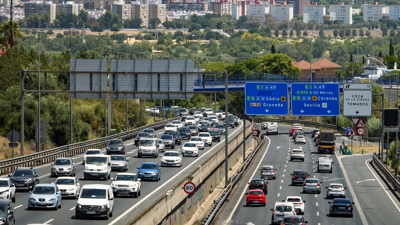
(311,74)
(11,41)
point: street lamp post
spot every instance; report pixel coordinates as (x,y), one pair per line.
(311,57)
(193,48)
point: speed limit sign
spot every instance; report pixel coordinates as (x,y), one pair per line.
(189,187)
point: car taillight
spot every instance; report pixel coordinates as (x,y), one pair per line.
(300,203)
(342,189)
(306,177)
(350,208)
(293,177)
(304,184)
(318,185)
(273,213)
(273,171)
(263,185)
(329,189)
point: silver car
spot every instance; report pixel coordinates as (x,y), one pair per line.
(300,139)
(267,172)
(161,145)
(63,167)
(336,190)
(46,196)
(119,162)
(312,185)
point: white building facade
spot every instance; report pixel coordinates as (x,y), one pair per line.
(341,13)
(257,10)
(374,12)
(314,12)
(282,12)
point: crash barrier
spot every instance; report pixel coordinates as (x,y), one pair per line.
(304,123)
(47,156)
(177,206)
(390,178)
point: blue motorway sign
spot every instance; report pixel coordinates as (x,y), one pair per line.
(263,98)
(315,99)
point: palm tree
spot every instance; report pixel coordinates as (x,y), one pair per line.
(8,38)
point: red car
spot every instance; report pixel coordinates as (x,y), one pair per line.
(255,196)
(293,129)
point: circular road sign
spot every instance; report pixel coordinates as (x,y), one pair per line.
(360,131)
(189,187)
(255,132)
(13,136)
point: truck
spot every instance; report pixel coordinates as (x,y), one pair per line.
(326,141)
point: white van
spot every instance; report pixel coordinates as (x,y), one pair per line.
(271,128)
(324,164)
(97,166)
(95,200)
(148,147)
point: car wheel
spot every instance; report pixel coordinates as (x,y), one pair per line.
(173,146)
(111,213)
(139,156)
(247,204)
(77,216)
(159,177)
(59,206)
(56,207)
(107,216)
(13,198)
(330,171)
(291,159)
(318,192)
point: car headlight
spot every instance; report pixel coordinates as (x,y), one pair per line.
(107,147)
(141,173)
(162,160)
(32,199)
(112,184)
(28,180)
(52,199)
(3,220)
(79,206)
(104,207)
(86,168)
(71,189)
(119,148)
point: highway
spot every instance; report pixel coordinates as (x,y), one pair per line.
(372,205)
(123,205)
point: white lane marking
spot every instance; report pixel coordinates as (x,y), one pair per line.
(72,208)
(319,223)
(284,170)
(380,183)
(127,211)
(283,175)
(43,176)
(317,213)
(281,181)
(245,189)
(316,204)
(280,187)
(279,194)
(316,196)
(286,162)
(48,221)
(285,165)
(16,207)
(350,188)
(362,181)
(313,166)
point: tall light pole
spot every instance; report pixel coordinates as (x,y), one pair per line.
(311,56)
(38,127)
(193,48)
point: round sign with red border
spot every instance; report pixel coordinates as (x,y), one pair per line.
(189,187)
(255,132)
(360,131)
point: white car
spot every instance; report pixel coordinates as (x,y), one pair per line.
(336,190)
(207,138)
(171,158)
(214,119)
(197,118)
(154,110)
(190,149)
(199,114)
(170,127)
(190,121)
(126,184)
(91,152)
(297,126)
(298,203)
(219,113)
(208,112)
(7,189)
(177,123)
(69,186)
(280,210)
(199,141)
(297,154)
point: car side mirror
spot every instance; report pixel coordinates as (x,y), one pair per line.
(305,221)
(111,198)
(291,174)
(9,175)
(77,184)
(329,203)
(345,187)
(138,168)
(73,163)
(332,162)
(10,212)
(317,162)
(52,164)
(304,201)
(352,203)
(246,193)
(159,168)
(320,182)
(326,187)
(161,155)
(109,164)
(139,179)
(12,185)
(36,175)
(272,210)
(283,200)
(112,179)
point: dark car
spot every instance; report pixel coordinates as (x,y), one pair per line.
(115,146)
(184,116)
(204,127)
(297,132)
(314,132)
(192,110)
(194,130)
(231,123)
(235,119)
(221,128)
(151,132)
(7,212)
(258,183)
(169,140)
(341,206)
(293,220)
(184,132)
(299,176)
(140,135)
(24,178)
(177,137)
(215,134)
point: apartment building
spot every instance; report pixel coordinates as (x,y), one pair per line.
(282,12)
(142,12)
(394,12)
(7,3)
(221,8)
(314,12)
(374,11)
(341,13)
(158,11)
(120,8)
(298,5)
(257,10)
(238,10)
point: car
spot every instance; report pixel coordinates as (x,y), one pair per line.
(194,130)
(177,123)
(184,132)
(148,147)
(149,170)
(62,167)
(151,132)
(171,158)
(231,123)
(293,220)
(258,183)
(297,132)
(267,172)
(312,185)
(127,184)
(271,128)
(69,186)
(170,127)
(190,148)
(234,118)
(316,136)
(24,178)
(177,137)
(119,162)
(255,196)
(221,128)
(91,152)
(280,210)
(207,138)
(313,132)
(7,189)
(341,206)
(215,134)
(199,141)
(299,176)
(324,164)
(183,111)
(95,200)
(169,140)
(192,110)
(161,145)
(300,139)
(190,121)
(297,125)
(214,119)
(336,190)
(199,114)
(97,167)
(293,130)
(207,112)
(7,212)
(45,196)
(264,126)
(139,136)
(197,118)
(210,121)
(297,154)
(204,127)
(219,113)
(115,146)
(298,203)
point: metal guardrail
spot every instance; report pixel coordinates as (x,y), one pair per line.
(386,173)
(43,157)
(304,122)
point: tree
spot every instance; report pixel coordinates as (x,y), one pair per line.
(291,33)
(8,37)
(384,31)
(335,33)
(276,33)
(273,50)
(279,63)
(321,33)
(298,32)
(154,23)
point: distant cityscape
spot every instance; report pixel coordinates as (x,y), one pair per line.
(169,10)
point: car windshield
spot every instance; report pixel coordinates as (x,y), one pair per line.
(282,208)
(297,151)
(43,190)
(336,186)
(189,118)
(220,126)
(115,142)
(142,134)
(4,183)
(92,152)
(148,166)
(176,122)
(341,201)
(196,139)
(213,132)
(147,143)
(301,173)
(96,160)
(267,168)
(184,129)
(293,200)
(171,154)
(255,193)
(93,193)
(190,145)
(312,181)
(117,158)
(23,173)
(65,181)
(125,177)
(204,124)
(170,125)
(160,141)
(59,162)
(204,135)
(193,127)
(148,131)
(166,137)
(292,220)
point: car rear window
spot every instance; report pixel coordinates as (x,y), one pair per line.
(282,208)
(299,173)
(311,181)
(336,186)
(293,200)
(257,182)
(255,193)
(341,201)
(166,137)
(292,220)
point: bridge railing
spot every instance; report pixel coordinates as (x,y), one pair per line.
(303,122)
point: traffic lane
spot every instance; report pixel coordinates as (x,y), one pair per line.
(378,207)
